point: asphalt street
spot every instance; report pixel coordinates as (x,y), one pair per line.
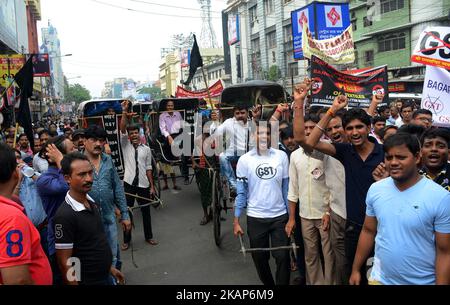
(186,253)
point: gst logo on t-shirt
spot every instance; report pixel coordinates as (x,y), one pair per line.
(265,171)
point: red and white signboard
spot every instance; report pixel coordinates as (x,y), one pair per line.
(436,95)
(433,47)
(334,16)
(302,18)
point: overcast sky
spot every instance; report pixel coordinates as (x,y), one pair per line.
(109,42)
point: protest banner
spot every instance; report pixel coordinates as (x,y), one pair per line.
(336,51)
(433,47)
(214,91)
(110,123)
(359,87)
(436,95)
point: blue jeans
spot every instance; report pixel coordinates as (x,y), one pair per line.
(226,168)
(111,235)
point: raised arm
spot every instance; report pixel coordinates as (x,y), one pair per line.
(314,138)
(376,100)
(124,120)
(300,93)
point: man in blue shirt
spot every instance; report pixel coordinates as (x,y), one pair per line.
(107,190)
(408,218)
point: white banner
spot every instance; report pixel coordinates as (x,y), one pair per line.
(433,47)
(436,95)
(336,51)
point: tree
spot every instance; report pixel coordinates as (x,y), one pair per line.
(77,93)
(155,92)
(274,74)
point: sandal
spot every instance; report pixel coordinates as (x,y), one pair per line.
(165,188)
(125,247)
(204,220)
(152,242)
(177,188)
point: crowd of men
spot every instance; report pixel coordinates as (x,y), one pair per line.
(359,198)
(60,204)
(357,189)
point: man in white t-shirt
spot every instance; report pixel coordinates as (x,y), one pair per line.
(262,183)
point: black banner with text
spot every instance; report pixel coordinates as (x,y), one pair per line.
(110,123)
(359,87)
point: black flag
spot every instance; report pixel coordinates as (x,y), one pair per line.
(24,79)
(195,62)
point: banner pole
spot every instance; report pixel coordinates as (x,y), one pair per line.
(15,135)
(207,89)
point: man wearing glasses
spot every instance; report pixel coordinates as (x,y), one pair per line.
(423,117)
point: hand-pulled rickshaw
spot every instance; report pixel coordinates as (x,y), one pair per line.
(262,94)
(180,151)
(107,113)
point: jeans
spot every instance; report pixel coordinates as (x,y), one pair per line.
(226,168)
(111,235)
(266,232)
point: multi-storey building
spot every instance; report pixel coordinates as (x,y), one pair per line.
(171,74)
(264,49)
(52,46)
(387,35)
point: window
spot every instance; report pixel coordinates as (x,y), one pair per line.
(354,27)
(271,40)
(367,22)
(253,15)
(288,33)
(286,1)
(255,45)
(268,7)
(391,5)
(392,42)
(368,57)
(292,69)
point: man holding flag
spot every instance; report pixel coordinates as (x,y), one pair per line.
(24,79)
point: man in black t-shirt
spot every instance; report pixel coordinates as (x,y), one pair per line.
(82,249)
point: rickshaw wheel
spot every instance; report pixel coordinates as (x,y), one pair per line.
(216,209)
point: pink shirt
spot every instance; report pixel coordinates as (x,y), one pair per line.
(170,124)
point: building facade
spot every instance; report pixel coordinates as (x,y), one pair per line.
(264,49)
(52,46)
(389,36)
(171,74)
(19,35)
